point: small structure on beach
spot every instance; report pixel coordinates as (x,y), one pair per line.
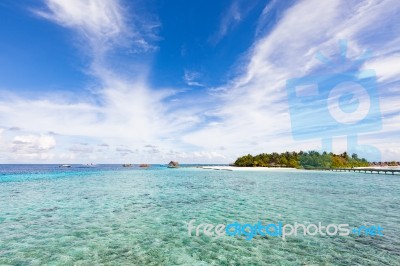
(173,164)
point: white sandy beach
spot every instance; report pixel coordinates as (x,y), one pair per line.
(234,168)
(281,169)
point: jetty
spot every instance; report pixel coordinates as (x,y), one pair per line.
(362,170)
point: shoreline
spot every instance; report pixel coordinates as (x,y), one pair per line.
(236,168)
(283,169)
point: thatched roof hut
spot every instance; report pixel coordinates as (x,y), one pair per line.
(173,164)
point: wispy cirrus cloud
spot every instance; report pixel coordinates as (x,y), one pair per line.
(249,114)
(102,24)
(122,110)
(101,21)
(386,67)
(191,78)
(254,113)
(231,18)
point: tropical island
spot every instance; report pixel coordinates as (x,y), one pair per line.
(307,160)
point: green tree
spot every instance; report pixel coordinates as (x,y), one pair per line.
(311,159)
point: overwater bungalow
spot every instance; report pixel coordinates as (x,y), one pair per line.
(173,164)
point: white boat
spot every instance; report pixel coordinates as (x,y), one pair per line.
(87,165)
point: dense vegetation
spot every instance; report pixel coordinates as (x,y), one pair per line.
(312,159)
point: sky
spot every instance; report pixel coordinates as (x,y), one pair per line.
(134,81)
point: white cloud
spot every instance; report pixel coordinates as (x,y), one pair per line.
(265,17)
(250,114)
(32,147)
(254,112)
(230,18)
(101,19)
(386,68)
(81,148)
(191,78)
(209,155)
(233,16)
(1,140)
(101,23)
(67,157)
(254,109)
(39,143)
(122,110)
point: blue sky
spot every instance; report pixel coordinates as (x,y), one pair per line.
(195,81)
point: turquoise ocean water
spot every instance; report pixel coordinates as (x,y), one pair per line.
(129,216)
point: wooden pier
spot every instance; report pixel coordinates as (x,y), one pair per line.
(363,170)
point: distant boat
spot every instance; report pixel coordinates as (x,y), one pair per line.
(173,164)
(144,165)
(65,165)
(87,165)
(127,165)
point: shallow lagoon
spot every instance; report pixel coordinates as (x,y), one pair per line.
(114,216)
